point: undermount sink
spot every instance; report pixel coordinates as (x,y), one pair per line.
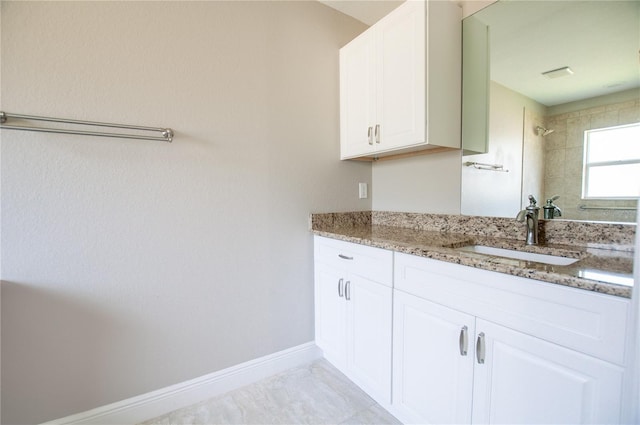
(520,255)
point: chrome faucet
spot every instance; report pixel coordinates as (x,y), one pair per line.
(530,216)
(551,210)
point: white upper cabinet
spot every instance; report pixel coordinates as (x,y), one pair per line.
(400,82)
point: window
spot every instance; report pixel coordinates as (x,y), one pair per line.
(612,163)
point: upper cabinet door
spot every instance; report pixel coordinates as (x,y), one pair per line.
(400,109)
(357,96)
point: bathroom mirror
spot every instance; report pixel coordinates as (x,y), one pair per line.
(536,76)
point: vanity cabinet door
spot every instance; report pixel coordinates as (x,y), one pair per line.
(527,380)
(369,316)
(433,361)
(330,313)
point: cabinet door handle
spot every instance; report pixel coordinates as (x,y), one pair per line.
(369,138)
(340,293)
(480,348)
(347,290)
(344,257)
(378,133)
(464,341)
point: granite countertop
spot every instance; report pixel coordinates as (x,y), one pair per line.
(608,271)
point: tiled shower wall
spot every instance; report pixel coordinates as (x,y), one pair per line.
(564,149)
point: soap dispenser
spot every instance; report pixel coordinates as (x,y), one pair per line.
(550,209)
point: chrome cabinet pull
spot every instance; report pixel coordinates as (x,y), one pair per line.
(480,348)
(347,290)
(340,293)
(344,257)
(463,341)
(369,131)
(378,133)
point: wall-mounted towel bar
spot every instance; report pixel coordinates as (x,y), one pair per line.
(489,167)
(586,207)
(166,134)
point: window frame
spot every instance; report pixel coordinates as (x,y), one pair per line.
(586,166)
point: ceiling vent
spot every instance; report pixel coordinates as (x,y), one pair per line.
(557,73)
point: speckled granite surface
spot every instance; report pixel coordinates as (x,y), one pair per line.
(605,250)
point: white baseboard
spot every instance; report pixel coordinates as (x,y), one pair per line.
(150,405)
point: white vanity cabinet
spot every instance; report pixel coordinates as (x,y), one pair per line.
(400,82)
(353,316)
(473,346)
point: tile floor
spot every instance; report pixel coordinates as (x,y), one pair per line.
(316,393)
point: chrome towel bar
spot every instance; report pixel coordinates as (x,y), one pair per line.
(166,134)
(489,167)
(586,207)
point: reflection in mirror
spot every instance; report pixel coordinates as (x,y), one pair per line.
(556,70)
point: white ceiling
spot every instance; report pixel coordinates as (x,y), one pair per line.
(599,40)
(366,11)
(371,11)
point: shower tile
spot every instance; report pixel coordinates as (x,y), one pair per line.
(575,130)
(622,105)
(573,164)
(555,140)
(556,124)
(554,186)
(593,111)
(603,120)
(555,163)
(629,115)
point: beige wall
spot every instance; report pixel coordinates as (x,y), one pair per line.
(469,7)
(132,265)
(494,193)
(429,183)
(533,155)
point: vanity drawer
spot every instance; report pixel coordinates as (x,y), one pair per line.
(371,263)
(592,323)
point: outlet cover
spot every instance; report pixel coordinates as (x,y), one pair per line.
(363,190)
